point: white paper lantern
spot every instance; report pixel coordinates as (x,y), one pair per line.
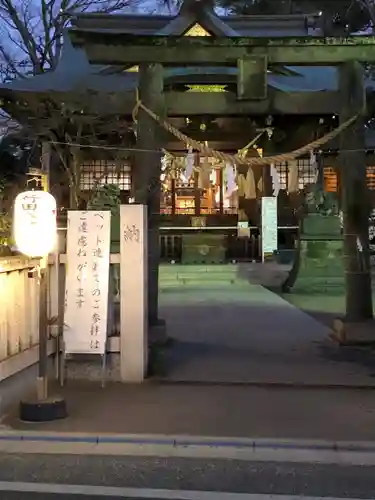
(34,223)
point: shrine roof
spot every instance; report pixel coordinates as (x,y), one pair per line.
(74,73)
(253,26)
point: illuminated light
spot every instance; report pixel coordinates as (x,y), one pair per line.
(213,176)
(34,223)
(133,69)
(197,30)
(206,88)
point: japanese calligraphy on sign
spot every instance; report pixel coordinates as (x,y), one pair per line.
(87,278)
(131,234)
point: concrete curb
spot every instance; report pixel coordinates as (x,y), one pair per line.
(187,441)
(188,447)
(370,386)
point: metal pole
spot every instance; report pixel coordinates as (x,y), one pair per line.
(42,381)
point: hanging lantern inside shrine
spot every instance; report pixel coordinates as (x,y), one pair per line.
(34,223)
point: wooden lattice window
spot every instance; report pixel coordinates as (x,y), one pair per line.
(306,172)
(282,169)
(103,172)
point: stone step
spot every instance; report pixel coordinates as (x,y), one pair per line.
(201,275)
(188,270)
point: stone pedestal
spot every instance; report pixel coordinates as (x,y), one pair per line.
(319,266)
(351,334)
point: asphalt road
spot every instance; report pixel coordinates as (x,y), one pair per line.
(264,478)
(14,495)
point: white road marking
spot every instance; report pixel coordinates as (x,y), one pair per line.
(145,493)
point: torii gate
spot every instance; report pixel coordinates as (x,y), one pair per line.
(252,56)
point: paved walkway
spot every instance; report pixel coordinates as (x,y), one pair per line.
(338,415)
(234,331)
(228,330)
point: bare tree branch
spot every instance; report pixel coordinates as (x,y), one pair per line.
(369,6)
(31,32)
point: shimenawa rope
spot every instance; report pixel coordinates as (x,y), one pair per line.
(235,159)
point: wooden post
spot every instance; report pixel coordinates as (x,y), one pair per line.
(44,303)
(45,165)
(133,285)
(42,380)
(267,189)
(197,191)
(147,172)
(173,196)
(221,192)
(354,195)
(210,200)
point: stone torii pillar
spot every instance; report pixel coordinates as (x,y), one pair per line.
(146,177)
(354,195)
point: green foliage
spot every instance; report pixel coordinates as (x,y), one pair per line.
(5,229)
(106,197)
(341,12)
(320,202)
(5,221)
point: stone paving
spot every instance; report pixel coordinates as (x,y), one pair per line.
(227,411)
(232,334)
(228,329)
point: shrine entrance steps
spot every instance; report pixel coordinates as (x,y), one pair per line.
(177,275)
(229,330)
(209,276)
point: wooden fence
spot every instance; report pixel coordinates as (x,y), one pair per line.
(19,311)
(19,314)
(19,306)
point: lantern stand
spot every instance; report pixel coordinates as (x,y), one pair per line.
(40,207)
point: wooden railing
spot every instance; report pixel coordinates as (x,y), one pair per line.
(237,249)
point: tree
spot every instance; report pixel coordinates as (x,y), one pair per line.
(352,15)
(77,131)
(31,44)
(31,32)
